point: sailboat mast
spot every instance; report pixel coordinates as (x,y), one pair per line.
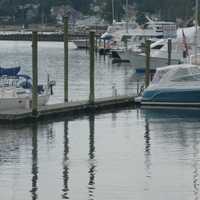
(127,16)
(196,28)
(113,12)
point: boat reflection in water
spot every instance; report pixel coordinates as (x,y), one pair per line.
(180,128)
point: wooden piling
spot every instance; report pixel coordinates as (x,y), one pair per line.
(92,67)
(104,44)
(169,51)
(147,70)
(66,58)
(96,44)
(86,44)
(35,73)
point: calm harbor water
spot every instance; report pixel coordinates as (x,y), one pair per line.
(122,155)
(130,154)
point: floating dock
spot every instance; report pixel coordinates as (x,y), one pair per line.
(66,109)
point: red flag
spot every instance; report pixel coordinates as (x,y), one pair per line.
(185,44)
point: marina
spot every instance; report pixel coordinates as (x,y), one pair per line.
(37,105)
(99,100)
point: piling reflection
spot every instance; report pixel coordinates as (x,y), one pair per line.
(34,161)
(147,151)
(65,162)
(18,147)
(147,138)
(92,168)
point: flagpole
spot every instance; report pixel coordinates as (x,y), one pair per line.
(127,16)
(113,12)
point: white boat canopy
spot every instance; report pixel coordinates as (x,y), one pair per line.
(176,75)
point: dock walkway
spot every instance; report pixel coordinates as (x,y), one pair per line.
(66,109)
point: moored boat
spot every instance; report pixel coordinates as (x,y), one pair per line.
(16,90)
(175,85)
(81,43)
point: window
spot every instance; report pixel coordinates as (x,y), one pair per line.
(191,78)
(158,46)
(158,76)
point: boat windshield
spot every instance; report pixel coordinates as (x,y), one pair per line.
(158,76)
(15,81)
(191,78)
(177,74)
(186,74)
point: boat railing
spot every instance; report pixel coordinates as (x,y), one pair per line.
(9,81)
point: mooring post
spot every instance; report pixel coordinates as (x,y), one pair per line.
(35,73)
(147,70)
(104,47)
(66,58)
(100,41)
(169,51)
(92,67)
(96,43)
(86,44)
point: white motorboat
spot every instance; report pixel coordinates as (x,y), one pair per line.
(17,98)
(158,56)
(174,85)
(81,43)
(159,51)
(153,30)
(16,90)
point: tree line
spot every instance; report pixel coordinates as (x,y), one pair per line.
(165,9)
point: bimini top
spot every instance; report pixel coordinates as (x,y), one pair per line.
(176,75)
(12,71)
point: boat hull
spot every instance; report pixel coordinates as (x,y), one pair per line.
(21,102)
(81,44)
(138,61)
(176,97)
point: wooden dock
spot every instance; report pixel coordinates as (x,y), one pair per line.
(66,109)
(54,36)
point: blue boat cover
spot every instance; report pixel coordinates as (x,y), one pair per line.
(9,71)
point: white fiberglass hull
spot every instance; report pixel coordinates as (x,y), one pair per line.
(138,61)
(21,102)
(81,44)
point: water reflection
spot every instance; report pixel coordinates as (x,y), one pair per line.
(147,139)
(34,161)
(176,123)
(196,167)
(66,162)
(179,127)
(161,157)
(92,165)
(147,155)
(19,158)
